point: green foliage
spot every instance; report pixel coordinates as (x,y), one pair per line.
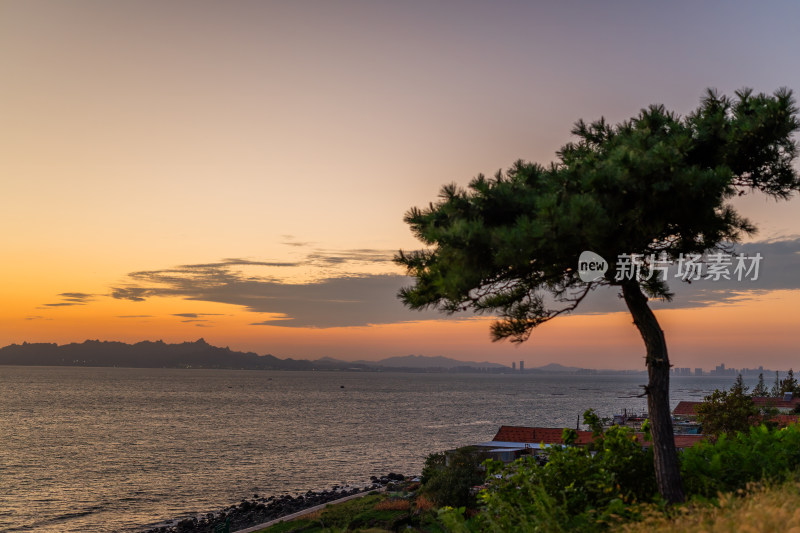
(576,490)
(448,478)
(775,392)
(739,386)
(591,419)
(736,460)
(434,463)
(789,384)
(455,521)
(569,436)
(727,411)
(356,514)
(760,390)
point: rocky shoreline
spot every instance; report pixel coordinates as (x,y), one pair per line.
(258,510)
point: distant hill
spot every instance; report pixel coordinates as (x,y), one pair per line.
(555,367)
(200,354)
(146,354)
(421,361)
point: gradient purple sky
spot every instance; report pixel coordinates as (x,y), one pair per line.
(239,170)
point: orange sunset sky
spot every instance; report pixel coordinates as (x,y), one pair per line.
(239,171)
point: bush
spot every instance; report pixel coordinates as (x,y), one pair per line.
(587,489)
(577,490)
(734,461)
(447,479)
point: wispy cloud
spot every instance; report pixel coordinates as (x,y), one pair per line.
(348,298)
(77,297)
(72,298)
(342,301)
(242,262)
(291,240)
(340,257)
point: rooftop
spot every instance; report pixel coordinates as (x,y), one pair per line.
(537,435)
(685,409)
(513,436)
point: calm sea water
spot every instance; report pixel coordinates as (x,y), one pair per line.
(115,449)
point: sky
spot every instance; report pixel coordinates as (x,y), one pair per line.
(239,171)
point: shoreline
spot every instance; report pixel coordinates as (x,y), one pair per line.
(259,510)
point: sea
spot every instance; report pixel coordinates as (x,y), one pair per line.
(122,449)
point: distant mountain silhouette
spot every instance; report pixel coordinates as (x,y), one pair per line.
(200,354)
(555,367)
(144,354)
(422,361)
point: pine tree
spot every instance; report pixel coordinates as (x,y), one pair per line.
(775,392)
(728,411)
(738,386)
(760,389)
(789,384)
(657,185)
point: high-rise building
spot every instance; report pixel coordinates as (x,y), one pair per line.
(521,367)
(698,371)
(513,366)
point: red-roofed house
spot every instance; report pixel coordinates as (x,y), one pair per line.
(686,409)
(681,441)
(784,420)
(538,435)
(783,406)
(512,442)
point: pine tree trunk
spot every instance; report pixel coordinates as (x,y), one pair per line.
(668,475)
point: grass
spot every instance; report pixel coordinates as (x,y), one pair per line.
(372,513)
(761,509)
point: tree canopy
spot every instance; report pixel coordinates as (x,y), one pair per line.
(760,390)
(656,187)
(655,183)
(728,411)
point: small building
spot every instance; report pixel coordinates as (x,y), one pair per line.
(512,442)
(685,410)
(783,405)
(537,435)
(511,451)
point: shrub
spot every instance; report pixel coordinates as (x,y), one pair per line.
(448,478)
(577,490)
(734,461)
(393,505)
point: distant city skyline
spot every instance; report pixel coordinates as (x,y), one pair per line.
(240,170)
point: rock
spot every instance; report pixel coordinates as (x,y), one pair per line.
(262,509)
